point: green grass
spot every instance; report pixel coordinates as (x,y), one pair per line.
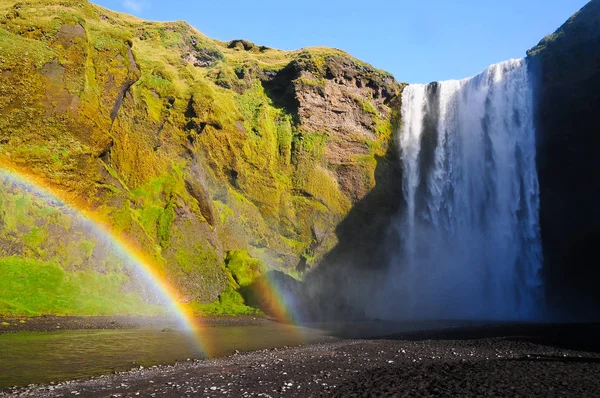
(14,47)
(30,287)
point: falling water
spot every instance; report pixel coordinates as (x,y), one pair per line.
(471,240)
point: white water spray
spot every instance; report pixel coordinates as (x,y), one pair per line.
(471,239)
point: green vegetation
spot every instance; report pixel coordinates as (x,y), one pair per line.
(177,142)
(35,288)
(243,268)
(229,303)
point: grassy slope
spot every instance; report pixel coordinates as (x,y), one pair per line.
(33,287)
(196,161)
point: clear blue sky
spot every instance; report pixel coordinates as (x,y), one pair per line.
(417,40)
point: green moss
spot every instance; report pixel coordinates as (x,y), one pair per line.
(311,176)
(243,268)
(311,82)
(34,238)
(87,248)
(296,245)
(285,135)
(16,48)
(195,260)
(295,274)
(29,287)
(165,220)
(103,42)
(266,180)
(122,218)
(225,212)
(229,303)
(366,106)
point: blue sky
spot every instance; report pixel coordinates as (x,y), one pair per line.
(417,40)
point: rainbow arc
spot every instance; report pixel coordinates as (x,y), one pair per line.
(142,263)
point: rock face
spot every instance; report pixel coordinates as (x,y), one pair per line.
(187,146)
(352,104)
(567,64)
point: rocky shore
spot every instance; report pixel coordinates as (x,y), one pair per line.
(527,361)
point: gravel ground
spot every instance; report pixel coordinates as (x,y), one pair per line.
(497,366)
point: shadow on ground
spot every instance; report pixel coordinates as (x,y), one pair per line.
(572,336)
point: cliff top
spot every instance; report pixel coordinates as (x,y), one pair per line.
(42,20)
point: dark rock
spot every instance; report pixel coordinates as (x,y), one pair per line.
(567,66)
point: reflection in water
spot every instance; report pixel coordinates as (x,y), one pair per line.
(42,357)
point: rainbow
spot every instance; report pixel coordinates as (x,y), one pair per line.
(279,306)
(123,247)
(275,302)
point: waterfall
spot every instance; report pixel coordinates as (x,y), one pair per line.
(471,240)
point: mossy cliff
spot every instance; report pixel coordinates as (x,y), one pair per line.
(188,147)
(567,65)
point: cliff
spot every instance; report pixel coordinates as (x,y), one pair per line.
(223,160)
(188,147)
(567,65)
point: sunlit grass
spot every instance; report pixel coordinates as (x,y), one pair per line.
(30,287)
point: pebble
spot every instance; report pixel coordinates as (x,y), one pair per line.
(343,369)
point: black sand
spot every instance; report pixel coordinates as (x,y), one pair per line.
(546,360)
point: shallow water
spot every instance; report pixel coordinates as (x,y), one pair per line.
(43,357)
